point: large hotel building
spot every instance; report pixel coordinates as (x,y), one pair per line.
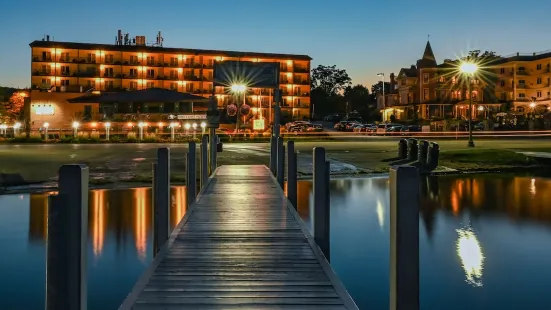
(62,71)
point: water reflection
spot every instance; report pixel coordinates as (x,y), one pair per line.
(98,205)
(470,253)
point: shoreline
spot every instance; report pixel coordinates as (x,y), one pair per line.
(121,185)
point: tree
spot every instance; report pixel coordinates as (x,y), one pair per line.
(14,107)
(377,89)
(358,97)
(331,80)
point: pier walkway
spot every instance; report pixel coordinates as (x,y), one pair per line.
(241,245)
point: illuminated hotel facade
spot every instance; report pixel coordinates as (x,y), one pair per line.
(64,70)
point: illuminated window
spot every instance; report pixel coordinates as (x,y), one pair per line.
(425,78)
(425,94)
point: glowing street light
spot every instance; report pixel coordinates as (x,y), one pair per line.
(187,126)
(16,127)
(75,128)
(239,88)
(173,126)
(194,125)
(469,69)
(141,125)
(203,126)
(107,127)
(46,126)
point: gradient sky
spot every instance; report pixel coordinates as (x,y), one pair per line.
(362,36)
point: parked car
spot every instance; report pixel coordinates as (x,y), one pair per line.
(315,128)
(410,129)
(341,126)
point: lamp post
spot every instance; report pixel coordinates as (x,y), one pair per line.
(141,126)
(75,129)
(469,69)
(46,125)
(384,99)
(173,126)
(239,88)
(194,128)
(16,127)
(107,127)
(187,126)
(203,126)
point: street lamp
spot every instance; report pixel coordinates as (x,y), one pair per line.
(469,69)
(173,126)
(239,88)
(46,125)
(16,127)
(107,127)
(194,129)
(141,125)
(384,100)
(203,126)
(75,129)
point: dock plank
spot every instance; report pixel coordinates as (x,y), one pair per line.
(240,246)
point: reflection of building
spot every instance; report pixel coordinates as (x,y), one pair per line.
(38,217)
(73,68)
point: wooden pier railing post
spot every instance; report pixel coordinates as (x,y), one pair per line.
(204,161)
(280,174)
(67,246)
(404,238)
(322,212)
(292,173)
(161,199)
(191,179)
(273,154)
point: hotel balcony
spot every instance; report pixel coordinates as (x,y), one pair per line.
(301,69)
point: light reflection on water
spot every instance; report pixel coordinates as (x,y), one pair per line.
(483,242)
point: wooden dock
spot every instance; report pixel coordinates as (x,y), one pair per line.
(242,245)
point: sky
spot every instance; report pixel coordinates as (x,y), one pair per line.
(364,37)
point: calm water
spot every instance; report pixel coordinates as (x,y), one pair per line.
(484,242)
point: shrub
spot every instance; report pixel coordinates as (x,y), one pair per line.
(150,138)
(131,137)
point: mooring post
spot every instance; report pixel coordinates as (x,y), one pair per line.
(321,200)
(292,173)
(67,247)
(204,161)
(191,179)
(280,174)
(161,194)
(273,154)
(404,238)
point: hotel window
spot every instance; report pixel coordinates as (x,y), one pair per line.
(521,68)
(108,72)
(91,58)
(174,86)
(134,60)
(133,85)
(150,84)
(425,78)
(503,96)
(64,82)
(521,82)
(46,69)
(64,70)
(538,81)
(109,59)
(64,57)
(133,72)
(425,94)
(502,83)
(174,61)
(502,70)
(46,56)
(150,60)
(47,81)
(91,83)
(110,84)
(521,95)
(150,73)
(173,74)
(539,94)
(538,67)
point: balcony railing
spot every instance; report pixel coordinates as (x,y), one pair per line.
(522,72)
(301,69)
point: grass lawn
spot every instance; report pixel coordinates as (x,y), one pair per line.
(110,164)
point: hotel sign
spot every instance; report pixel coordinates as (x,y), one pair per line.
(188,116)
(43,109)
(252,74)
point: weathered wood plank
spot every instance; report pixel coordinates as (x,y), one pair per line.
(240,246)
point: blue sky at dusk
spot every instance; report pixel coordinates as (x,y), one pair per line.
(364,37)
